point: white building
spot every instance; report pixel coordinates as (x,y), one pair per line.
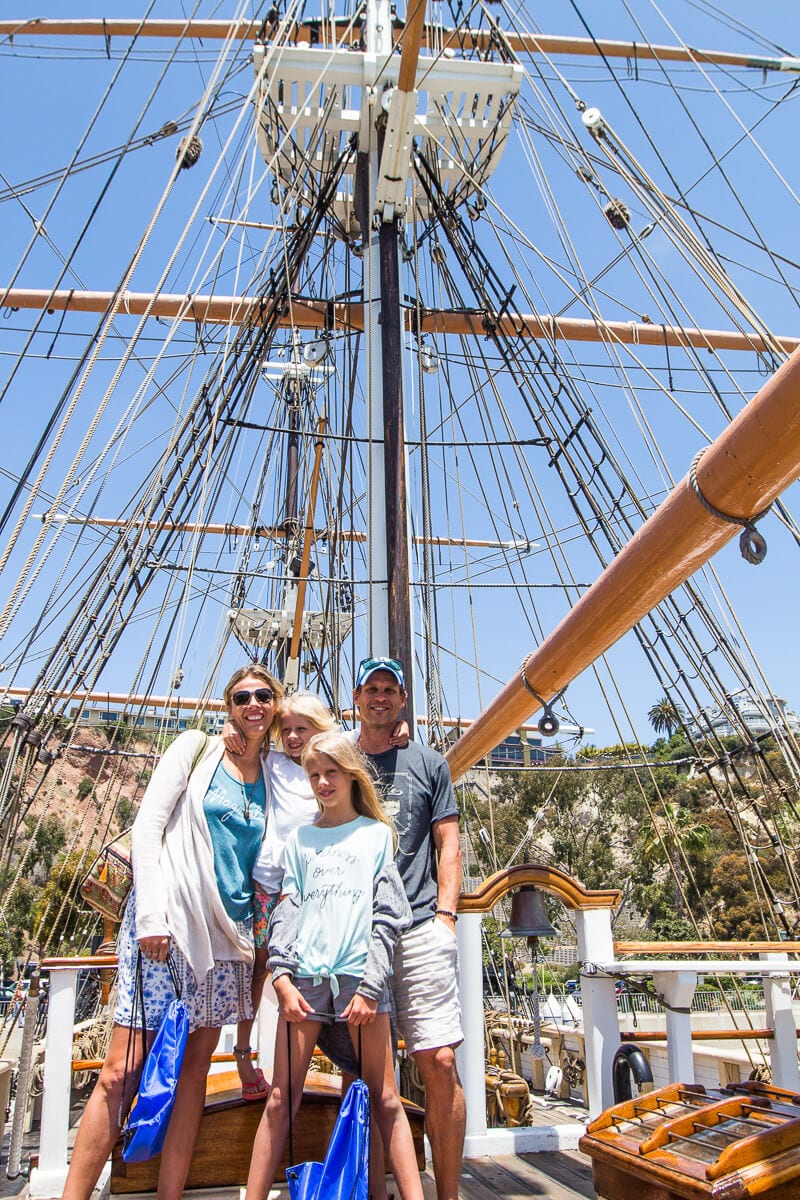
(760,716)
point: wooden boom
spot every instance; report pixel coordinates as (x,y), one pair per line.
(740,473)
(344,29)
(317,314)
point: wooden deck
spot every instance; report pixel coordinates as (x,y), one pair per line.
(228,1127)
(566,1175)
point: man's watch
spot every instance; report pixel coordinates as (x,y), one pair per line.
(445,912)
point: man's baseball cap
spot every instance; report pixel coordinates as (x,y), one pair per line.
(368,666)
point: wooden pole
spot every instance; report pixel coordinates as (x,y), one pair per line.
(308,538)
(741,473)
(394,450)
(268,531)
(482,39)
(412,41)
(310,314)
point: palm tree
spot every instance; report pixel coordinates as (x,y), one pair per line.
(665,716)
(676,835)
(675,832)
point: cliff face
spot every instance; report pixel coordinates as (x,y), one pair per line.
(62,816)
(95,788)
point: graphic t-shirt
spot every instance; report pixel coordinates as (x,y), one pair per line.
(415,791)
(334,871)
(236,840)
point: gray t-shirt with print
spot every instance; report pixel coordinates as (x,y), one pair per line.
(415,789)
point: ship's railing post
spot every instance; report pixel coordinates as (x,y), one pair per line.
(677,989)
(267,1024)
(599,1003)
(469,1055)
(780,1018)
(48,1178)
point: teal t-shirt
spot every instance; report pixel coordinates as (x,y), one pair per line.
(236,840)
(334,871)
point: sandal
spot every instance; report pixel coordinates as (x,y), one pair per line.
(259,1089)
(256,1091)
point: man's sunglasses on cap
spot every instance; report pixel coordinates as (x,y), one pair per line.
(368,666)
(263,695)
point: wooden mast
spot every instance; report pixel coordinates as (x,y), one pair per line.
(394,442)
(394,449)
(292,396)
(292,666)
(350,315)
(740,473)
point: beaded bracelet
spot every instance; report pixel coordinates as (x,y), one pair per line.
(444,912)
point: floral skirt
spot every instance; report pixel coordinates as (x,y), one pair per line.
(222,997)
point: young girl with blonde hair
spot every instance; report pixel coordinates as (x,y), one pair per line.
(331,945)
(290,803)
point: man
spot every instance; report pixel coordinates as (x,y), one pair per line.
(417,794)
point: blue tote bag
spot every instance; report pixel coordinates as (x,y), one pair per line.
(344,1174)
(146,1126)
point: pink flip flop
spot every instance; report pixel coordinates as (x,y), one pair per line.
(251,1091)
(256,1091)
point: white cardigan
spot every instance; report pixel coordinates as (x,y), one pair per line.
(173,859)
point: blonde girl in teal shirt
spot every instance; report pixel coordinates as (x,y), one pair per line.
(331,946)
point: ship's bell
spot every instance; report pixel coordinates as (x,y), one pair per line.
(529,920)
(529,917)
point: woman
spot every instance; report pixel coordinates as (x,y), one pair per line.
(331,945)
(195,841)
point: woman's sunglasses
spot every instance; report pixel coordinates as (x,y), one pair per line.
(262,695)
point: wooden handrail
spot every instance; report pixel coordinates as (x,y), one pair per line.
(702,1035)
(91,962)
(700,947)
(484,898)
(94,1064)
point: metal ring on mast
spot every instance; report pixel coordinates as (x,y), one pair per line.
(548,724)
(752,544)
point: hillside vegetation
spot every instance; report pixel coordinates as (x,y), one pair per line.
(90,793)
(698,849)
